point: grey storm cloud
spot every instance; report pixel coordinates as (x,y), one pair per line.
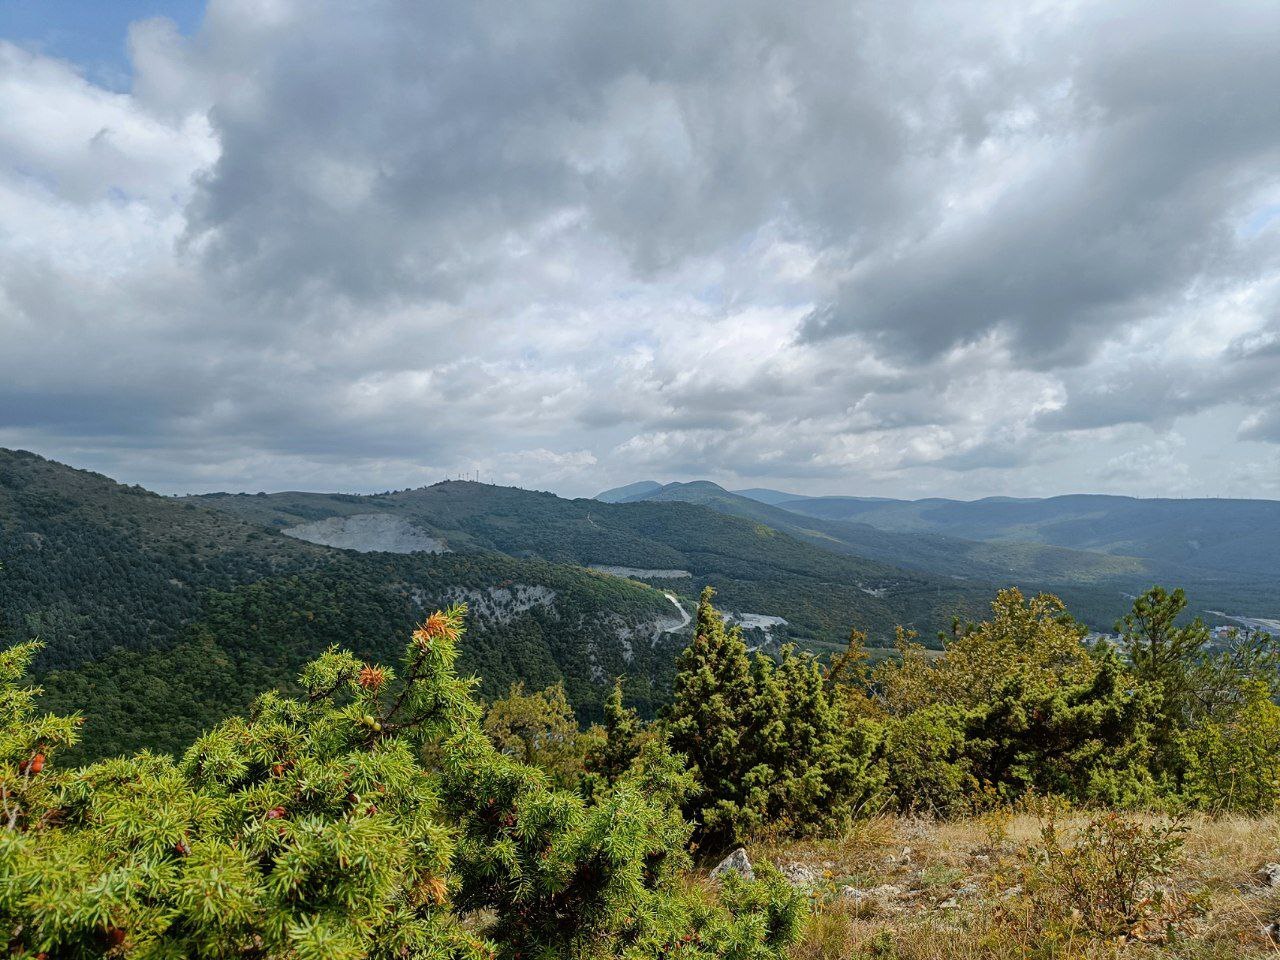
(395,150)
(1155,134)
(876,247)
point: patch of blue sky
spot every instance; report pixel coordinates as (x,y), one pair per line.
(93,34)
(1260,220)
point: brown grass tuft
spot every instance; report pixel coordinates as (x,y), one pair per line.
(912,889)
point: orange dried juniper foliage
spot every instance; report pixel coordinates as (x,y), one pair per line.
(433,890)
(441,625)
(372,678)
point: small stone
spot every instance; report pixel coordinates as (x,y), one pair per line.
(883,893)
(949,904)
(736,862)
(1269,875)
(1011,893)
(1271,931)
(800,875)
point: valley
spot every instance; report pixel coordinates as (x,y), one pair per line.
(1096,552)
(166,614)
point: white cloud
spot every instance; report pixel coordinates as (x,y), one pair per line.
(910,249)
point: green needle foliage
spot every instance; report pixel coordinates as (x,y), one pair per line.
(624,738)
(312,830)
(771,741)
(539,730)
(1216,734)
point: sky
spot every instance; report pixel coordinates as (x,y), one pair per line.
(903,249)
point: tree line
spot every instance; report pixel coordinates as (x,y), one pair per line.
(1017,705)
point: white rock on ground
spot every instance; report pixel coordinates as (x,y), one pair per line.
(736,862)
(1269,875)
(800,875)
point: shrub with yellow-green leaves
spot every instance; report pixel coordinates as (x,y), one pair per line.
(539,730)
(1016,704)
(312,829)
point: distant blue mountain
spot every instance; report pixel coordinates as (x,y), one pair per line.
(1227,536)
(1222,551)
(771,497)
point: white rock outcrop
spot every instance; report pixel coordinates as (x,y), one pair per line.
(368,533)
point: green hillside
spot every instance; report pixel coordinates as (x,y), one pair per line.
(163,615)
(1241,536)
(1097,583)
(629,491)
(92,565)
(952,556)
(757,567)
(166,614)
(1225,552)
(583,629)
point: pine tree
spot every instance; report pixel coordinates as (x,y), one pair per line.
(771,742)
(625,735)
(713,697)
(1199,695)
(1162,653)
(818,755)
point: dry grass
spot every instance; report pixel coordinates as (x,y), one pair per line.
(964,890)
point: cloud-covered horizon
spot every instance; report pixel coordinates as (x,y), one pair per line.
(896,249)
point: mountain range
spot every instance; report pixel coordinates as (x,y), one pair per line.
(681,546)
(1094,550)
(164,614)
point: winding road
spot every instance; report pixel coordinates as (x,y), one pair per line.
(683,613)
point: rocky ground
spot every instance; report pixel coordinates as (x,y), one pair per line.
(994,887)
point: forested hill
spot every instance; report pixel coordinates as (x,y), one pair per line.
(1242,536)
(165,614)
(92,565)
(168,613)
(953,556)
(160,616)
